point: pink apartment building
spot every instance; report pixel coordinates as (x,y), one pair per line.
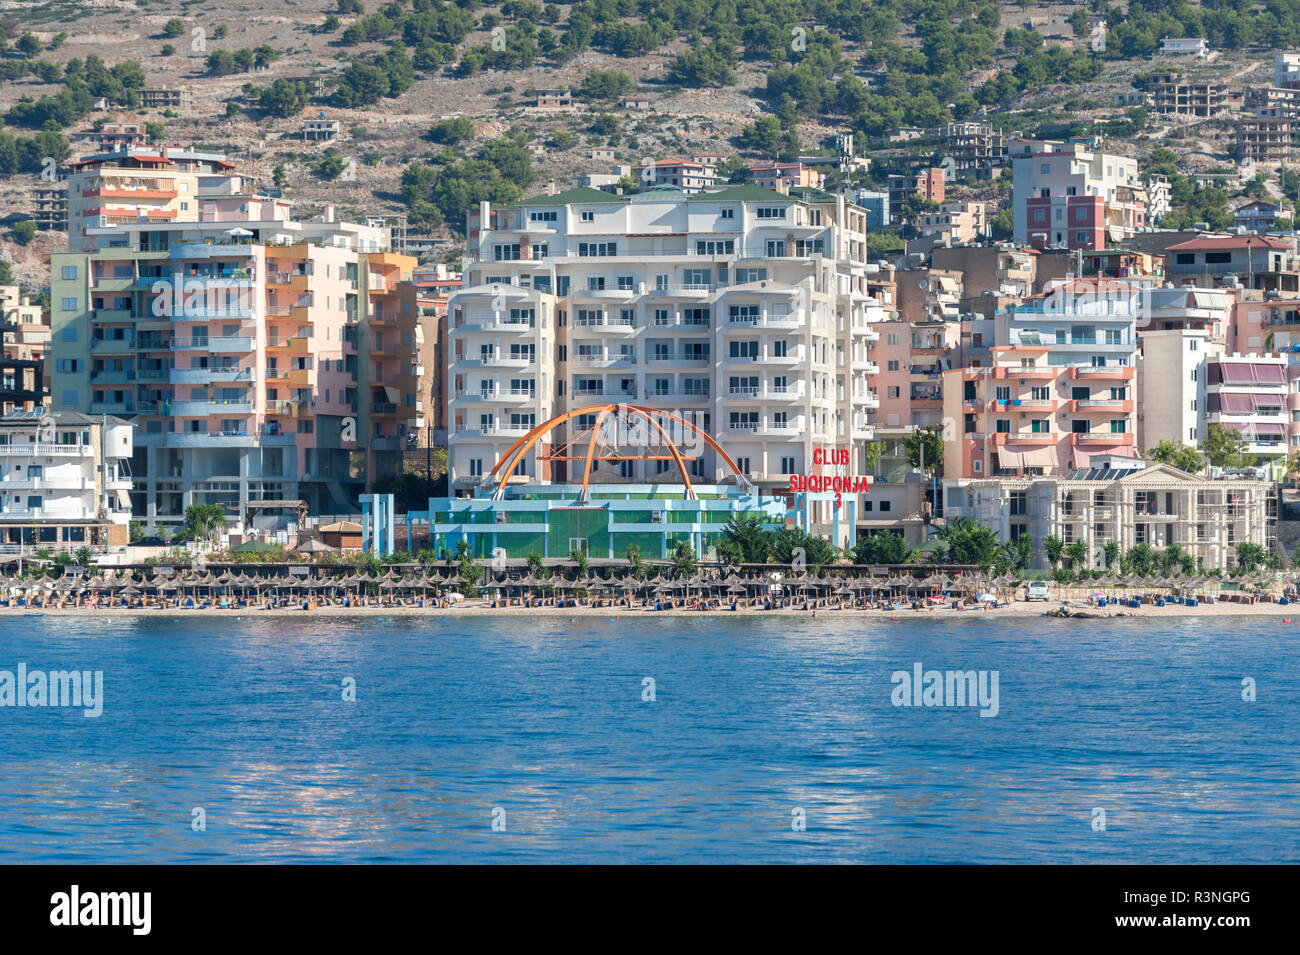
(1023,416)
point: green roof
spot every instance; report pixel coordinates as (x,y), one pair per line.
(809,194)
(743,193)
(577,194)
(747,192)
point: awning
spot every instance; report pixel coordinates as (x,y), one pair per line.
(1234,404)
(1010,459)
(393,396)
(1260,429)
(124,499)
(1201,299)
(1041,458)
(1252,373)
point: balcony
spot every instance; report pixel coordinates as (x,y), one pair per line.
(383,408)
(492,323)
(293,281)
(688,292)
(201,409)
(677,395)
(1029,374)
(581,329)
(1104,372)
(47,450)
(615,360)
(493,361)
(1030,438)
(225,439)
(765,322)
(1100,406)
(48,483)
(112,346)
(1122,438)
(1025,406)
(680,359)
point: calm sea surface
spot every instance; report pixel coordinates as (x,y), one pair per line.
(542,720)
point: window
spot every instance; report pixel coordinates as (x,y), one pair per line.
(69,303)
(1002,425)
(550,216)
(726,213)
(69,272)
(69,334)
(475,467)
(590,249)
(505,253)
(770,212)
(787,465)
(715,247)
(588,216)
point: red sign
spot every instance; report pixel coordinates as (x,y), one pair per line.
(839,484)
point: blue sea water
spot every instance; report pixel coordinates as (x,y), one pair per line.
(753,719)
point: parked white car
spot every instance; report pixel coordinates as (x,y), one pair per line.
(1037,590)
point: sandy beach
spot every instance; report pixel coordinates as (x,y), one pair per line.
(1079,610)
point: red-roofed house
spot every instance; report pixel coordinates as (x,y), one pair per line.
(1254,261)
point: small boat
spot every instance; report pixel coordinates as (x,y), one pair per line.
(29,613)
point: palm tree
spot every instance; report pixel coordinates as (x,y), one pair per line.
(1055,548)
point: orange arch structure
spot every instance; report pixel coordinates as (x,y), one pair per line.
(653,418)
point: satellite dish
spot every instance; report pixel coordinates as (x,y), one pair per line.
(922,284)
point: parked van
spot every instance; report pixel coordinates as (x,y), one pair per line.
(1037,590)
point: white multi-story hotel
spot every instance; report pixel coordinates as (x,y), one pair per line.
(65,480)
(1126,504)
(744,310)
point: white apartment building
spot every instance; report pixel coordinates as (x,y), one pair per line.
(1198,46)
(1158,506)
(1182,328)
(745,311)
(65,481)
(1083,321)
(1249,394)
(1286,69)
(243,346)
(1068,196)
